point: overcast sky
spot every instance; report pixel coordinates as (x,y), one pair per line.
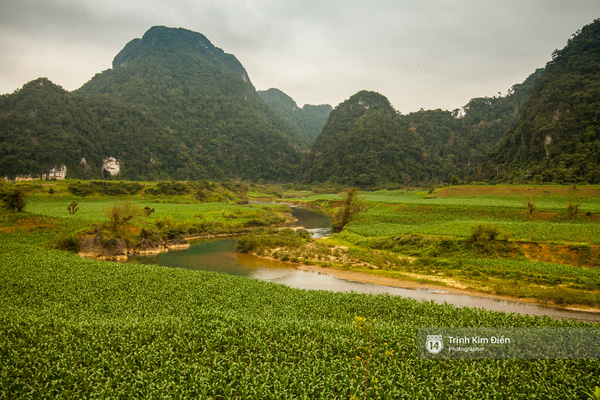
(419,53)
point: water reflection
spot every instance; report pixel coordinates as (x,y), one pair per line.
(316,222)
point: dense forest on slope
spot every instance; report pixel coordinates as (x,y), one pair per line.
(206,100)
(363,143)
(308,120)
(367,143)
(44,127)
(557,136)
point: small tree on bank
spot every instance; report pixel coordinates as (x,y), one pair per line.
(531,208)
(352,205)
(122,215)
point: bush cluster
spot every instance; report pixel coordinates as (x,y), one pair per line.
(13,197)
(87,188)
(272,238)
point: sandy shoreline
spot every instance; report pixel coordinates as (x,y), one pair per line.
(357,276)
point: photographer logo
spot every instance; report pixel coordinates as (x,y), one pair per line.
(434,344)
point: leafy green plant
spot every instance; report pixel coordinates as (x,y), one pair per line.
(594,394)
(148,211)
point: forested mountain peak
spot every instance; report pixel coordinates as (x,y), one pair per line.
(204,97)
(278,99)
(164,42)
(172,107)
(367,100)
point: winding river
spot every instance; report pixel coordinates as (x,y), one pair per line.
(220,256)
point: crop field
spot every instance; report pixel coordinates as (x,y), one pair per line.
(544,244)
(78,328)
(457,209)
(458,221)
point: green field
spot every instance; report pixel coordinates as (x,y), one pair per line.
(93,209)
(80,328)
(590,199)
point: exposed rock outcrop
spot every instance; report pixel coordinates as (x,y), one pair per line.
(178,243)
(114,249)
(150,243)
(117,249)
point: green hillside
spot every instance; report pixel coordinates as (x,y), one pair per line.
(44,127)
(308,120)
(205,99)
(557,136)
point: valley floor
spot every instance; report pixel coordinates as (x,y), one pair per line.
(81,328)
(520,242)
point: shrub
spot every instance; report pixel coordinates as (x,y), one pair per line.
(68,242)
(103,187)
(572,210)
(530,208)
(13,198)
(72,208)
(169,188)
(271,239)
(490,239)
(122,215)
(483,234)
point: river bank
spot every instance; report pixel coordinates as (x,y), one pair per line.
(374,278)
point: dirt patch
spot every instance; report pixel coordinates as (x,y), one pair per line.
(585,255)
(28,224)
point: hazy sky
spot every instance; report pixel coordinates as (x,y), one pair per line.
(419,53)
